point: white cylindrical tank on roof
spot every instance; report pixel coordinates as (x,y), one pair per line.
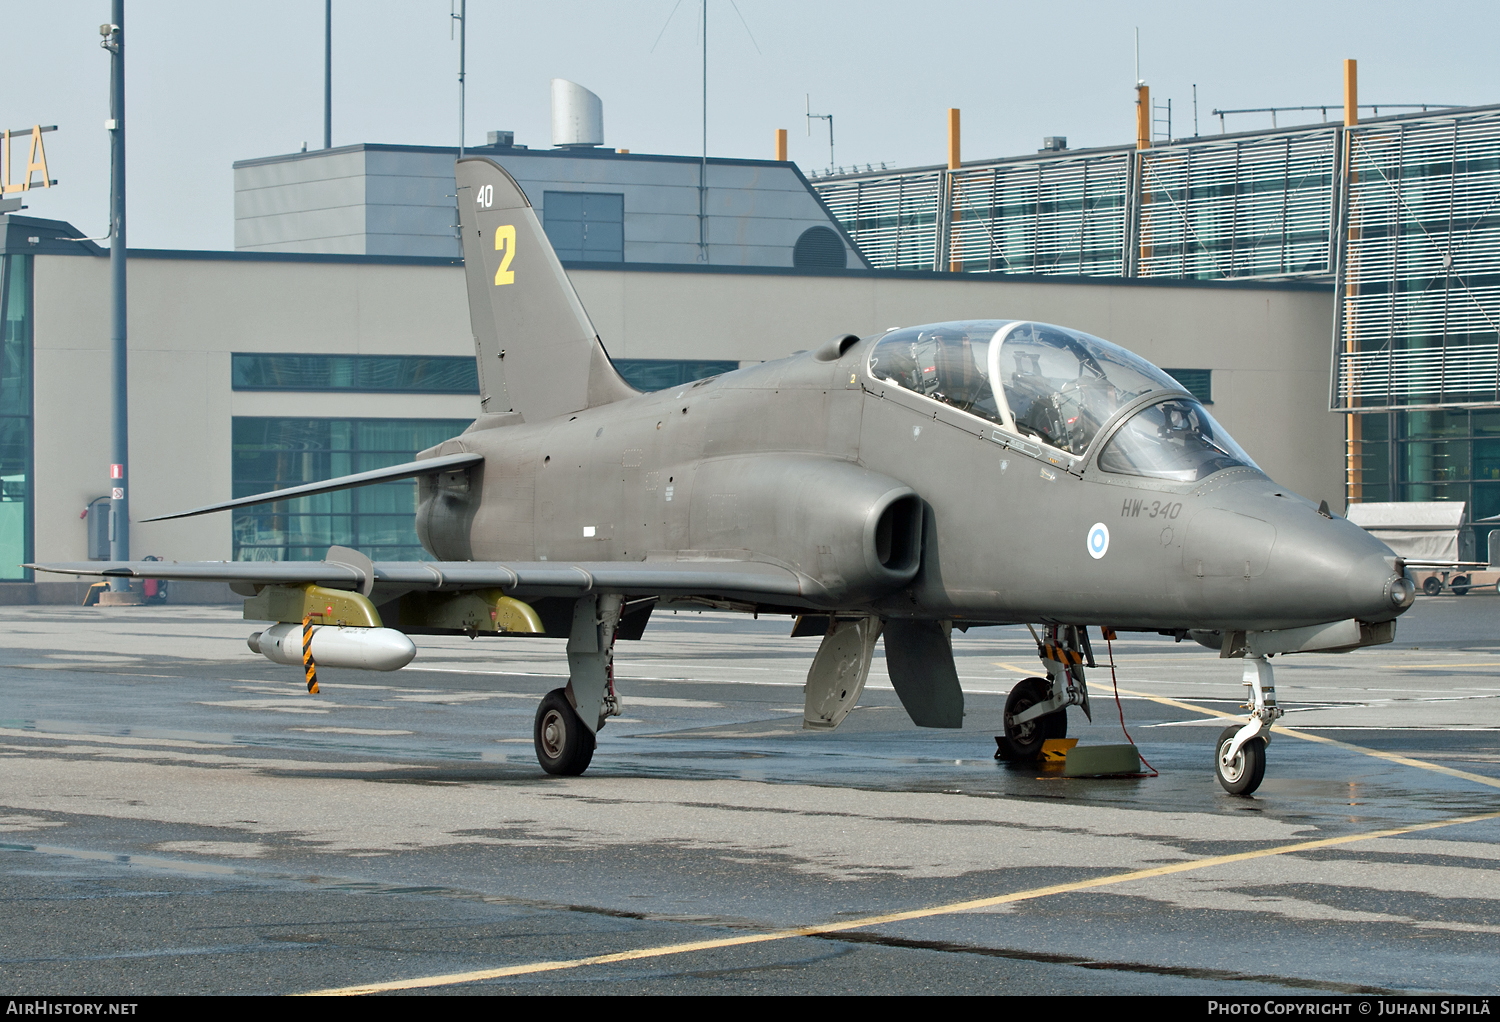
(577,115)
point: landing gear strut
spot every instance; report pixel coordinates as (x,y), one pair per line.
(568,718)
(1240,753)
(1036,709)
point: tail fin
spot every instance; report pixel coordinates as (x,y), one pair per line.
(538,353)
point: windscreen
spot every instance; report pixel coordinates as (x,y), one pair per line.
(1175,440)
(1063,386)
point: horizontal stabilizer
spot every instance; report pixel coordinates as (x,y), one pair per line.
(427,466)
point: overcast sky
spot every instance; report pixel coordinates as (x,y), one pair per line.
(211,83)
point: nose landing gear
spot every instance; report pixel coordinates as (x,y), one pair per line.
(1240,753)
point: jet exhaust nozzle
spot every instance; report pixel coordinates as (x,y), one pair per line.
(362,649)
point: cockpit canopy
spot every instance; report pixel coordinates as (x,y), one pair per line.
(1061,387)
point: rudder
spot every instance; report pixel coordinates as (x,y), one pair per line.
(538,354)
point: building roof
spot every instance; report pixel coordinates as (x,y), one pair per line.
(596,153)
(27,235)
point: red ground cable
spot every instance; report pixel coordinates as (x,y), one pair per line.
(1108,644)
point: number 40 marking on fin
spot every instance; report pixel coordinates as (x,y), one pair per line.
(505,241)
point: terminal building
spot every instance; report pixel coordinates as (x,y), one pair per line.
(1296,289)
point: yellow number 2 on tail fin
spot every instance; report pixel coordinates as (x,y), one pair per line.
(505,240)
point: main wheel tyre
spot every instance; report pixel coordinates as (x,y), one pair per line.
(1023,742)
(1248,768)
(563,745)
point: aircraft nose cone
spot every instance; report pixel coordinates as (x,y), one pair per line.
(1331,569)
(1271,560)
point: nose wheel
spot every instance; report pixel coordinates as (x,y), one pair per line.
(1242,773)
(563,745)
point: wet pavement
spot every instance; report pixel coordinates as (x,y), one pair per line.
(178,815)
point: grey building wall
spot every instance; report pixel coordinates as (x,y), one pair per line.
(398,200)
(1267,346)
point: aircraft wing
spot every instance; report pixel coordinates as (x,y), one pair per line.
(723,578)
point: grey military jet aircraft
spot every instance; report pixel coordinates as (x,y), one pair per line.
(945,476)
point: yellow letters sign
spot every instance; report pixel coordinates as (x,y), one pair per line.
(37,160)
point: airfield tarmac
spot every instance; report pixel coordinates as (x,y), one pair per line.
(178,816)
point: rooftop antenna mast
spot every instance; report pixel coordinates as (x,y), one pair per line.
(821,117)
(462,18)
(703,166)
(327,75)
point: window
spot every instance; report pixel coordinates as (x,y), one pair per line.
(1197,382)
(407,374)
(379,520)
(660,373)
(15,417)
(586,227)
(820,247)
(1432,454)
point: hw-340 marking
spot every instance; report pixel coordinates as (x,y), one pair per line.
(1156,509)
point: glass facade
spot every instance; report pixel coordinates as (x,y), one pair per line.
(660,373)
(378,520)
(1439,454)
(15,417)
(406,374)
(1197,382)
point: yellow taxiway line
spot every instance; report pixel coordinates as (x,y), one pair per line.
(953,908)
(1390,757)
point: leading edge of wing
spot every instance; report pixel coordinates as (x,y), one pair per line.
(446,463)
(726,578)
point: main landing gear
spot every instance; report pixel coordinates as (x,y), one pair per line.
(1036,708)
(1240,753)
(569,718)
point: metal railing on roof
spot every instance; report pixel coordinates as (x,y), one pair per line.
(1245,207)
(1403,214)
(1054,216)
(1417,312)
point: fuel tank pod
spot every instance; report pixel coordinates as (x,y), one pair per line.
(363,649)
